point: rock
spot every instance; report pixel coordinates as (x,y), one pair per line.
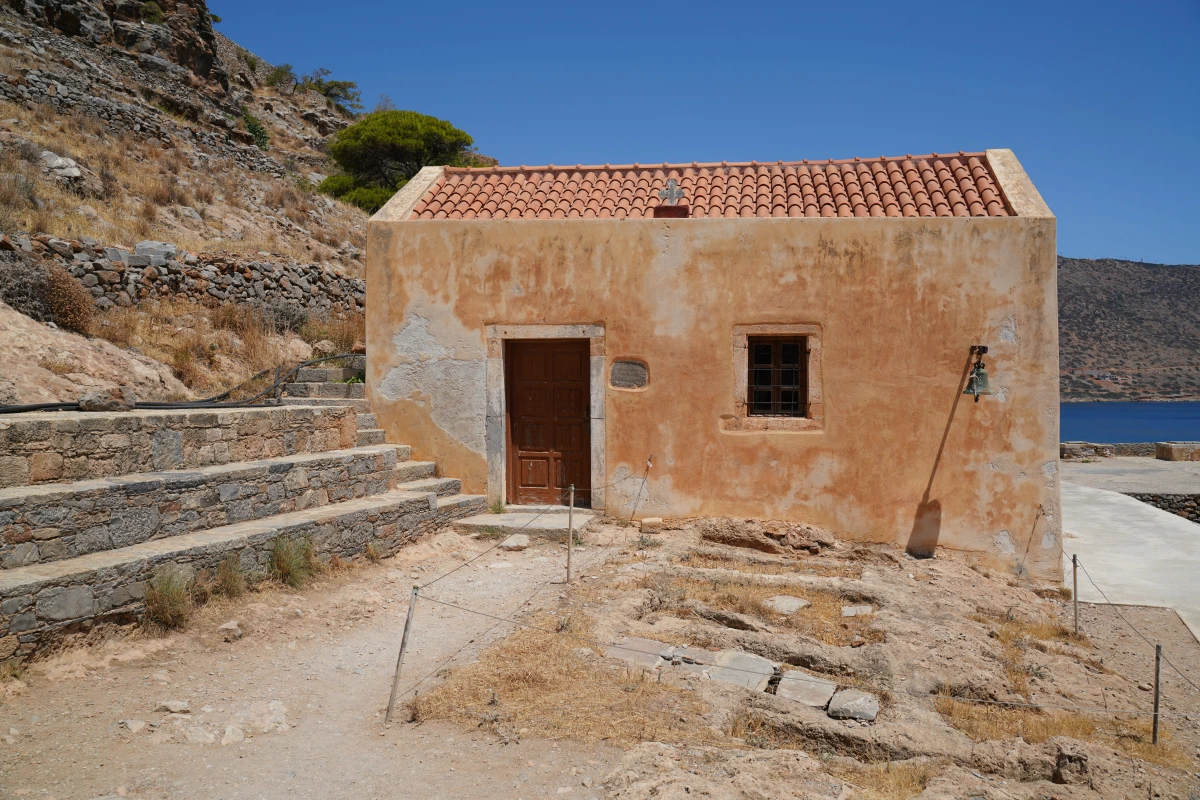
(233,735)
(61,604)
(230,631)
(785,604)
(299,350)
(742,669)
(1145,687)
(804,688)
(730,619)
(119,398)
(133,725)
(197,735)
(324,348)
(747,533)
(518,541)
(156,250)
(651,525)
(857,611)
(854,704)
(359,348)
(172,706)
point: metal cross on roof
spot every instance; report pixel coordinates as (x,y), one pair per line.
(672,194)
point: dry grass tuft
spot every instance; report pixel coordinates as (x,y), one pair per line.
(169,601)
(1016,636)
(888,781)
(342,330)
(230,580)
(821,620)
(292,561)
(538,684)
(983,721)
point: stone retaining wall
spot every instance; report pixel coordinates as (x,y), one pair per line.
(43,524)
(1090,450)
(71,446)
(160,270)
(1183,505)
(35,613)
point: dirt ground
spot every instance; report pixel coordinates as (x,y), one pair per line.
(299,700)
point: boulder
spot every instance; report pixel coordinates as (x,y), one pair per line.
(651,525)
(118,398)
(231,631)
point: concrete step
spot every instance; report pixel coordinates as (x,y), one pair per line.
(358,405)
(443,487)
(51,447)
(354,391)
(367,421)
(552,526)
(56,521)
(371,436)
(40,602)
(324,374)
(414,471)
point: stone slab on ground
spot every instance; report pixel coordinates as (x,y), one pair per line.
(854,704)
(643,652)
(785,604)
(518,541)
(857,611)
(552,526)
(742,669)
(804,688)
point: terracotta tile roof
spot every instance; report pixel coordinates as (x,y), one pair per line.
(937,185)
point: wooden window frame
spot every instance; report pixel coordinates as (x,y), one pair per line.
(777,378)
(741,420)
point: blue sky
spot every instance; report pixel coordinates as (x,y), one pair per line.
(1100,101)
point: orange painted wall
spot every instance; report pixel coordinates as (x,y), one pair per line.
(902,456)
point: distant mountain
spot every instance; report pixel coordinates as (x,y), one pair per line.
(1128,330)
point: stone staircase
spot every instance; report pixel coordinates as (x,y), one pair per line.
(94,506)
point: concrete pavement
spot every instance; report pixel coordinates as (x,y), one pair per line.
(1137,475)
(1138,554)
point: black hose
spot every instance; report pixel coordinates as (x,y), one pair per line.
(208,402)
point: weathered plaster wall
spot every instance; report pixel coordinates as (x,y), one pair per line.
(902,454)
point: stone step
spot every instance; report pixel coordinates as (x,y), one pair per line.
(42,601)
(443,487)
(56,521)
(414,470)
(552,526)
(366,421)
(371,436)
(359,405)
(51,447)
(324,374)
(355,391)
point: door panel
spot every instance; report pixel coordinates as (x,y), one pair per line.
(548,421)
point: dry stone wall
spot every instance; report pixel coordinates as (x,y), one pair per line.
(50,523)
(1184,505)
(117,276)
(98,445)
(35,612)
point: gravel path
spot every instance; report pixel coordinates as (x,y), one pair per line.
(306,686)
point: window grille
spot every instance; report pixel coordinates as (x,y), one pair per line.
(777,385)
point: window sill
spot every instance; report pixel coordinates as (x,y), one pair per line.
(771,425)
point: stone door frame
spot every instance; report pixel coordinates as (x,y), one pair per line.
(497,406)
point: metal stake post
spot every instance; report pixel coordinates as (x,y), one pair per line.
(1157,675)
(412,605)
(570,531)
(1075,589)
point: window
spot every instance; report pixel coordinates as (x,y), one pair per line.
(777,381)
(777,385)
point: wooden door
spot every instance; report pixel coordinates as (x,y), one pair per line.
(549,442)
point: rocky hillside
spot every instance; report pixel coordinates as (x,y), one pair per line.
(1128,330)
(125,121)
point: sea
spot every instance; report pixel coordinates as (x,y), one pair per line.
(1118,423)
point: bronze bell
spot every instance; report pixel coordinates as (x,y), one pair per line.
(977,383)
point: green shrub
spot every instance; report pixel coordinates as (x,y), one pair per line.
(368,198)
(292,561)
(256,129)
(282,75)
(251,62)
(214,17)
(342,95)
(387,147)
(168,601)
(336,185)
(230,581)
(152,12)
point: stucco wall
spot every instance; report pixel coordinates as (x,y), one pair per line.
(901,456)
